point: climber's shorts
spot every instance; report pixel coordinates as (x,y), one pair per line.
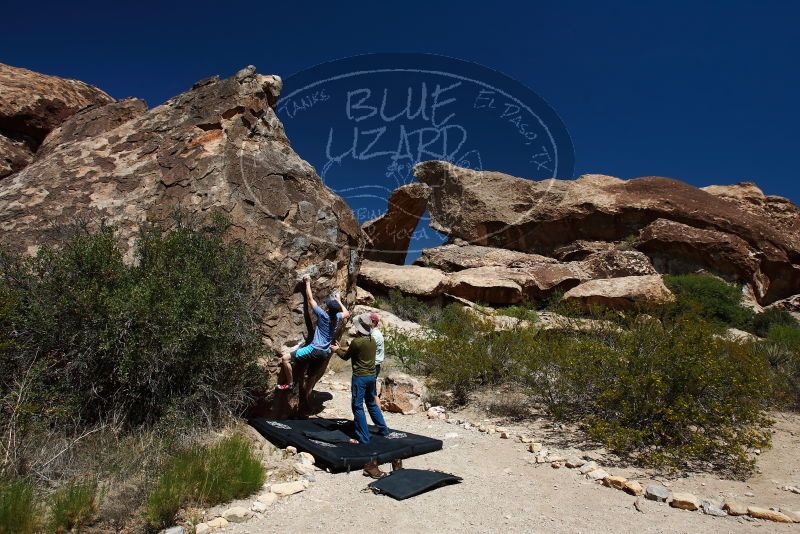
(309,353)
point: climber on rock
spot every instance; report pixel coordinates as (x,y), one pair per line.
(328,320)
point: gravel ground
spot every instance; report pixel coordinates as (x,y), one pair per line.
(502,491)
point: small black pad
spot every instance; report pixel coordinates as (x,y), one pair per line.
(406,483)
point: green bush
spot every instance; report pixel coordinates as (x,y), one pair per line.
(699,399)
(409,308)
(670,394)
(524,312)
(205,477)
(18,511)
(72,505)
(177,329)
(782,349)
(404,347)
(456,354)
(764,321)
(709,298)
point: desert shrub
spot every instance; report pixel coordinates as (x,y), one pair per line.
(709,298)
(409,308)
(629,243)
(764,321)
(95,336)
(670,393)
(667,395)
(18,510)
(782,348)
(205,476)
(456,354)
(553,303)
(524,312)
(8,304)
(72,505)
(404,348)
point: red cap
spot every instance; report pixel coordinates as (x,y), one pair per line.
(374,318)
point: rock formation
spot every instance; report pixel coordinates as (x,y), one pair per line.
(33,104)
(498,276)
(412,280)
(403,394)
(453,257)
(512,285)
(216,148)
(390,234)
(757,236)
(679,248)
(620,293)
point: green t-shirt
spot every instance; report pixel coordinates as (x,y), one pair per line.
(362,352)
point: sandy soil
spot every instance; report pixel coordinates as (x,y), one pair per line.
(503,491)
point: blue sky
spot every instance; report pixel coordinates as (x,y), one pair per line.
(703,92)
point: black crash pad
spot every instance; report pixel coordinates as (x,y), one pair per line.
(407,483)
(343,456)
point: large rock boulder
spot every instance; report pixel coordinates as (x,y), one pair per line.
(14,155)
(614,263)
(422,282)
(678,248)
(216,148)
(580,250)
(450,258)
(511,285)
(390,321)
(33,104)
(390,234)
(497,276)
(93,121)
(789,304)
(495,209)
(620,293)
(403,394)
(749,197)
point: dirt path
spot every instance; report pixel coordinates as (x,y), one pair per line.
(503,492)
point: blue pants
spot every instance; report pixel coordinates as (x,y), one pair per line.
(363,390)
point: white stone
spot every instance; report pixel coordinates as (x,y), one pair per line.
(267,499)
(598,474)
(289,488)
(202,528)
(574,461)
(684,501)
(237,514)
(219,522)
(587,468)
(306,458)
(258,507)
(303,469)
